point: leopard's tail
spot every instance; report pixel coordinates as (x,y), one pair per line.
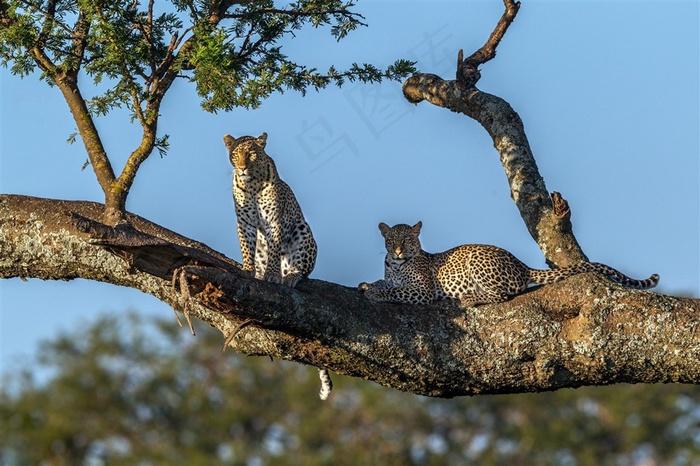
(326,384)
(544,277)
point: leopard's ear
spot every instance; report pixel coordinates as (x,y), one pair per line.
(262,140)
(230,142)
(384,228)
(416,228)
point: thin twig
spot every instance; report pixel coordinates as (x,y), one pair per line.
(488,50)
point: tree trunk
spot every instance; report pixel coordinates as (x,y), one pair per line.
(582,331)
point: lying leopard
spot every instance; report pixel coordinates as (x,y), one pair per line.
(473,273)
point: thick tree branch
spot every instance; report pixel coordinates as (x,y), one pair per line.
(582,331)
(550,227)
(547,219)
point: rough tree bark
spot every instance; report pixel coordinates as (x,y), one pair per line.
(582,331)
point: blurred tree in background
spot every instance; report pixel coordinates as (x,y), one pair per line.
(125,391)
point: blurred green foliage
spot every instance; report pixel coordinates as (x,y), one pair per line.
(129,391)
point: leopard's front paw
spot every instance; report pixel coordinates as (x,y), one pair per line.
(373,294)
(291,279)
(273,278)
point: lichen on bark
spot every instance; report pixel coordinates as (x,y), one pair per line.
(584,330)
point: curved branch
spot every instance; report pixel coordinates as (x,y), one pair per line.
(549,224)
(547,218)
(582,331)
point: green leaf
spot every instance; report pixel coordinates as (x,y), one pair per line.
(162,144)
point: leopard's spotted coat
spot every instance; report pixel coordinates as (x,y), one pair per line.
(276,241)
(472,273)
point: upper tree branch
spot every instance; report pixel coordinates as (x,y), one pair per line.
(80,36)
(547,218)
(488,50)
(582,331)
(158,84)
(65,76)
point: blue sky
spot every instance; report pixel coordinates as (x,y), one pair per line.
(608,91)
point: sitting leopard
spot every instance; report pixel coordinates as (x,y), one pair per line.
(472,273)
(276,242)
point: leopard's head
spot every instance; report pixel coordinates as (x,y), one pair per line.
(401,240)
(247,154)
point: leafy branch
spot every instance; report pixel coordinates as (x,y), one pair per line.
(133,53)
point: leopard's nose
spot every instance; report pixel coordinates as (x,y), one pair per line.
(397,251)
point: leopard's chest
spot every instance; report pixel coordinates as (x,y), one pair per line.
(405,272)
(255,198)
(270,206)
